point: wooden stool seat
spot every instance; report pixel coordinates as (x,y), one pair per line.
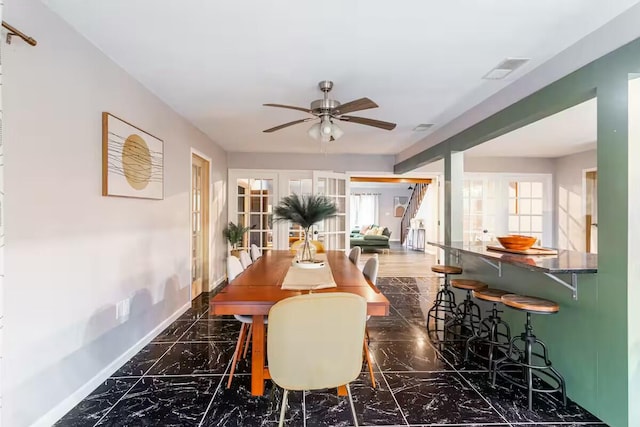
(490,294)
(532,304)
(469,285)
(446,269)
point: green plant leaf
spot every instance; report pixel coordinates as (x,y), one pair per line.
(234,233)
(304,210)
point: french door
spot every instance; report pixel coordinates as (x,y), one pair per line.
(499,204)
(333,232)
(199,225)
(252,195)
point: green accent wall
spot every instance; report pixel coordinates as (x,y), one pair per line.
(589,338)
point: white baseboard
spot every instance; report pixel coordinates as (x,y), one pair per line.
(76,397)
(216,283)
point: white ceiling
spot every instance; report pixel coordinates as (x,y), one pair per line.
(570,131)
(217,62)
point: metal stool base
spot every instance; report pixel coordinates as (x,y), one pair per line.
(466,321)
(489,334)
(524,361)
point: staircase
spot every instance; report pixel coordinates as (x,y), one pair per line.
(415,201)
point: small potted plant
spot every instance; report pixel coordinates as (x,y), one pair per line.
(234,235)
(305,211)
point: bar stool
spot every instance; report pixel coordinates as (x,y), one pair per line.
(524,360)
(467,316)
(489,332)
(445,303)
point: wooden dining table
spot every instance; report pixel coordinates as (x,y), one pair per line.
(258,288)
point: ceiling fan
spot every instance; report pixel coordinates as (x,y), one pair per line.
(329,110)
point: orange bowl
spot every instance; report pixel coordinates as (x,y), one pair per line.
(516,242)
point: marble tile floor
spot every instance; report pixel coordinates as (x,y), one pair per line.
(180,380)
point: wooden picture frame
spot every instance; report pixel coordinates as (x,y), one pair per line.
(132,160)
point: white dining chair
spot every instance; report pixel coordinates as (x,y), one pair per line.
(255,252)
(245,259)
(234,269)
(370,271)
(321,348)
(354,255)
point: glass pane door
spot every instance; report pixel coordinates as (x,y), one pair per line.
(526,200)
(254,205)
(480,205)
(199,225)
(302,187)
(333,233)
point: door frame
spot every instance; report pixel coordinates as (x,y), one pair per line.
(206,226)
(584,206)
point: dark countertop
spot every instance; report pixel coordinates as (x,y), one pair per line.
(564,262)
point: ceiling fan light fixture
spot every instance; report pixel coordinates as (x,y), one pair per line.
(336,132)
(329,110)
(314,132)
(326,126)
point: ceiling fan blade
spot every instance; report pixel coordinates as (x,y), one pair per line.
(357,105)
(288,124)
(369,122)
(291,107)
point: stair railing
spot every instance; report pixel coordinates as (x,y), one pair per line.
(415,200)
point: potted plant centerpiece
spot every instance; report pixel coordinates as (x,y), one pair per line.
(234,234)
(305,211)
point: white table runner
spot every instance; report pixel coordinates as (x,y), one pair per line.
(298,278)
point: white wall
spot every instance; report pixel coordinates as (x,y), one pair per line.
(508,164)
(429,211)
(319,161)
(385,205)
(570,199)
(72,254)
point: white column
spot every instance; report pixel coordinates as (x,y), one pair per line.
(1,227)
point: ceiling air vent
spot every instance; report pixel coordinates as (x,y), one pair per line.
(422,127)
(505,68)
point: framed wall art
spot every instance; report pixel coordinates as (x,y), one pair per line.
(132,160)
(399,205)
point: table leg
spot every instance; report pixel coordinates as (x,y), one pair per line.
(257,356)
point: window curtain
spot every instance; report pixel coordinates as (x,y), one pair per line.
(364,210)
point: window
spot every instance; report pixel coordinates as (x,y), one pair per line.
(479,209)
(526,208)
(497,204)
(364,210)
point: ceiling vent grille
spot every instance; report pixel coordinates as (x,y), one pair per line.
(423,127)
(505,68)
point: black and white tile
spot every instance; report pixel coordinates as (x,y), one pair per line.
(195,358)
(212,330)
(236,407)
(440,398)
(169,401)
(180,379)
(96,405)
(511,401)
(139,364)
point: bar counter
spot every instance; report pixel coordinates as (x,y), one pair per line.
(565,262)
